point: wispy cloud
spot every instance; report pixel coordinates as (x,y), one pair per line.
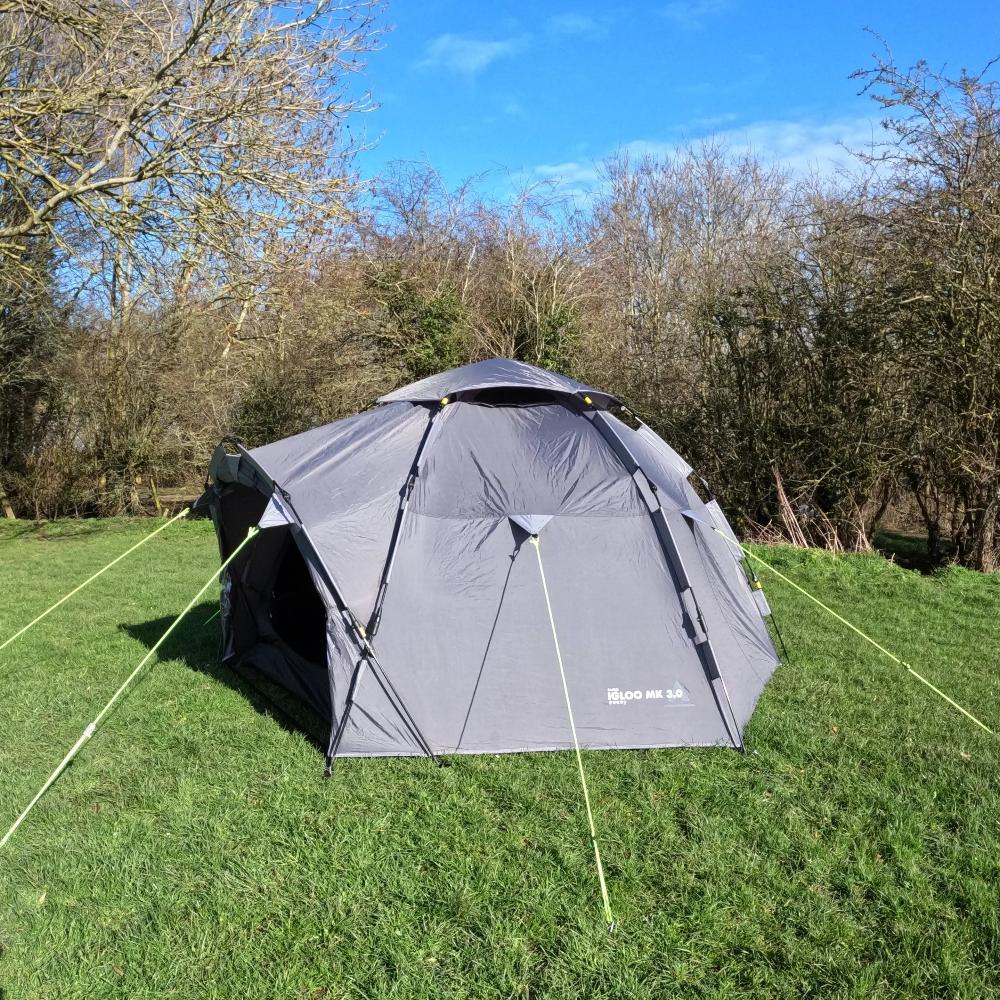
(806,146)
(694,14)
(511,107)
(579,24)
(577,180)
(800,147)
(709,122)
(573,173)
(803,148)
(469,56)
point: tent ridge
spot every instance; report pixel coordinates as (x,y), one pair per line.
(493,373)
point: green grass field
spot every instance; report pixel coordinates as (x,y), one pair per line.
(193,849)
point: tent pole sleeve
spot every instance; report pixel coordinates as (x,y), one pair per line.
(370,660)
(92,727)
(702,640)
(706,650)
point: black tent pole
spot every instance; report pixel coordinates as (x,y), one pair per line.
(337,734)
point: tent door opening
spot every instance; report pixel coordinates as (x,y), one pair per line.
(296,610)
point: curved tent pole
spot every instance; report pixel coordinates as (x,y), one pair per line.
(337,732)
(406,491)
(382,678)
(689,602)
(404,502)
(754,581)
(352,623)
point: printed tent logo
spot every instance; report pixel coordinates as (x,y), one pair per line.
(675,695)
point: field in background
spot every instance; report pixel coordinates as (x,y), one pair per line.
(194,850)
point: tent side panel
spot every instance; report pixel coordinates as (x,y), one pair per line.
(739,639)
(344,481)
(467,640)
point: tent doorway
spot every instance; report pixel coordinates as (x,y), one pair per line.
(296,610)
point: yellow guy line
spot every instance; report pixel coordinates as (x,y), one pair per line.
(91,728)
(91,579)
(920,677)
(576,743)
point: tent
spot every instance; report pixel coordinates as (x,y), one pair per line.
(451,570)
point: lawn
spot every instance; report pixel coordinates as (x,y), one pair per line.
(193,849)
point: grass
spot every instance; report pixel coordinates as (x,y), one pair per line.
(193,850)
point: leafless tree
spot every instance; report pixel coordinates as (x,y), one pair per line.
(189,138)
(939,219)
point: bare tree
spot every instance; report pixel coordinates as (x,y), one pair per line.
(939,222)
(188,137)
(672,234)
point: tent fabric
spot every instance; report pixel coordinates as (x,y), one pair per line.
(497,373)
(392,587)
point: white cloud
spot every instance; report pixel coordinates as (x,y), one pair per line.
(576,23)
(577,180)
(801,147)
(468,56)
(572,173)
(693,14)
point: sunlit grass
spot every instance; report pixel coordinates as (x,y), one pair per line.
(194,850)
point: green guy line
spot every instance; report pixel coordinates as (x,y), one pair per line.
(840,618)
(91,579)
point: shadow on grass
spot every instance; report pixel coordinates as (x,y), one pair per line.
(196,643)
(51,531)
(909,551)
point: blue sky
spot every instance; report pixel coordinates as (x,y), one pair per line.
(533,91)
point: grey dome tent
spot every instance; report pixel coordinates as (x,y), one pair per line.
(392,586)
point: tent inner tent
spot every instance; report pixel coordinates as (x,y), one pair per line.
(417,562)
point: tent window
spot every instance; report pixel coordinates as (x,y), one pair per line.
(297,612)
(513,396)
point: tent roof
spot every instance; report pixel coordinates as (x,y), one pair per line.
(496,373)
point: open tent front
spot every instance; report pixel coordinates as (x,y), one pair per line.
(394,589)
